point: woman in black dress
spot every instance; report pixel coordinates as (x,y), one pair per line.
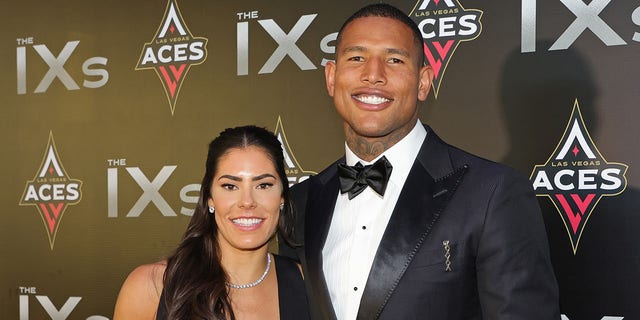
(222,269)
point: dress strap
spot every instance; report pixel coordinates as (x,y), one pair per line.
(161,314)
(291,291)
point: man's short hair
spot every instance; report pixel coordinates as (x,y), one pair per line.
(384,10)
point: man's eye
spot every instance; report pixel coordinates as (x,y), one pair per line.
(395,60)
(357,58)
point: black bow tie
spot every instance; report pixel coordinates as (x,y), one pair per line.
(355,179)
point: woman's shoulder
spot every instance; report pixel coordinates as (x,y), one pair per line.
(148,277)
(140,293)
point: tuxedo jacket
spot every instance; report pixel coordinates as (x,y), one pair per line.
(499,266)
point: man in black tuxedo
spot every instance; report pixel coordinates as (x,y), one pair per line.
(405,226)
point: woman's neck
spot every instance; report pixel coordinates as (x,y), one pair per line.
(244,266)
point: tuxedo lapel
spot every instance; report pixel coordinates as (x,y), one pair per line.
(419,206)
(319,212)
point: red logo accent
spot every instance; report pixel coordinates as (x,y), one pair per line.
(56,209)
(575,217)
(436,62)
(177,75)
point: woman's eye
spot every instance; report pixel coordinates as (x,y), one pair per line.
(265,185)
(228,186)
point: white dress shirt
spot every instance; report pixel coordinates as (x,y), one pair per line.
(358,224)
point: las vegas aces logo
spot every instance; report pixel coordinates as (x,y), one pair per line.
(51,190)
(444,24)
(576,176)
(172,52)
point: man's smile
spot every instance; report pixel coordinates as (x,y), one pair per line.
(371,99)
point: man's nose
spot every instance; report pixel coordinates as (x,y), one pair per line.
(374,72)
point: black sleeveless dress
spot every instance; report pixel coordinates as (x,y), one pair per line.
(291,293)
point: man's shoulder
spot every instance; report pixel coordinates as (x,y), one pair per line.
(300,191)
(479,165)
(437,153)
(488,172)
(461,155)
(320,178)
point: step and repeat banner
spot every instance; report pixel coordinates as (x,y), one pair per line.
(108,107)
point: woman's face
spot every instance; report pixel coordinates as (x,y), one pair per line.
(246,193)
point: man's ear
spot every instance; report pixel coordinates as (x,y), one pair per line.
(329,74)
(424,82)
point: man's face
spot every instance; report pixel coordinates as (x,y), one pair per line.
(377,78)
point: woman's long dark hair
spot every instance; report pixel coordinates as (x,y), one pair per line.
(194,280)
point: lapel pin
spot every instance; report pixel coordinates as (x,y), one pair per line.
(447,255)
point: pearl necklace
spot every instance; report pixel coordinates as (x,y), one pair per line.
(255,283)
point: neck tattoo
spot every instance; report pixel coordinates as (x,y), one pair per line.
(255,283)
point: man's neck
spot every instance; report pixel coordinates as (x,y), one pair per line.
(367,148)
